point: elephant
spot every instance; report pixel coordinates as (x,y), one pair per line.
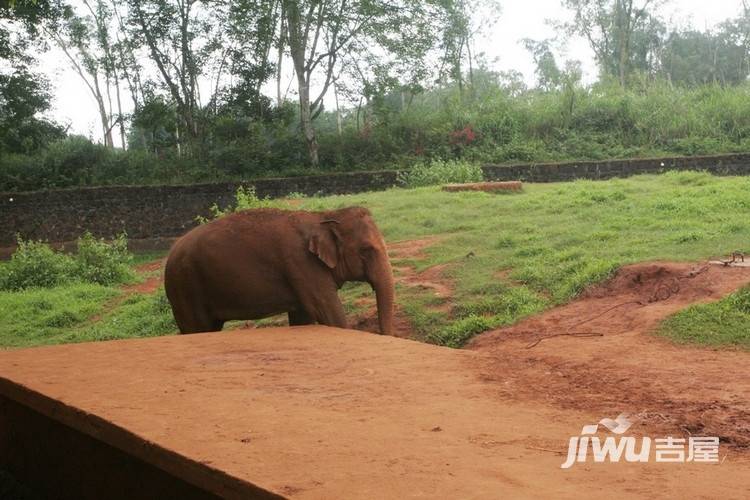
(261,262)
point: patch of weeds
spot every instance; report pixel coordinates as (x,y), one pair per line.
(688,237)
(457,333)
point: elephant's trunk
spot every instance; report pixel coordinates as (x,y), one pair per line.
(382,282)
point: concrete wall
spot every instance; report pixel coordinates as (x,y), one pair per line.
(154,212)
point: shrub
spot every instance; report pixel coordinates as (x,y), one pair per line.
(35,264)
(103,263)
(441,172)
(245,199)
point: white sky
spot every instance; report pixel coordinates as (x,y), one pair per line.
(518,19)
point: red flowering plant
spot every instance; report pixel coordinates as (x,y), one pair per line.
(463,137)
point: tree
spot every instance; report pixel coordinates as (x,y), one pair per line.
(193,43)
(610,27)
(85,42)
(24,94)
(547,72)
(463,21)
(169,30)
(321,35)
(692,57)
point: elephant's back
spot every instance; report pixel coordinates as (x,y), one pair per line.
(261,236)
(234,263)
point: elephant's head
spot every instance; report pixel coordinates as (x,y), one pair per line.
(350,244)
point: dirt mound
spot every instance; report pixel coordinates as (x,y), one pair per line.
(656,282)
(597,354)
(411,249)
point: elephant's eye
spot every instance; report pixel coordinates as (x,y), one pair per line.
(366,250)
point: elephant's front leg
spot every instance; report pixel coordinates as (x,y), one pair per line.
(321,302)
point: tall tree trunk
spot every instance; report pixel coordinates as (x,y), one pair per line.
(305,114)
(622,41)
(471,65)
(106,129)
(119,115)
(338,110)
(280,57)
(297,48)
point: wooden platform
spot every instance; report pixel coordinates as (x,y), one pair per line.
(304,412)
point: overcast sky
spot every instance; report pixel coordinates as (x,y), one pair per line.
(518,19)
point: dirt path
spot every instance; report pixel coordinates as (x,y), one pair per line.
(672,389)
(151,283)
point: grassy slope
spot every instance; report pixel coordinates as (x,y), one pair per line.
(531,251)
(541,247)
(79,313)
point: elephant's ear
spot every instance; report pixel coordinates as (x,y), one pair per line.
(323,244)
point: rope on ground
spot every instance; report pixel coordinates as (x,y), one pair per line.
(736,255)
(577,334)
(605,312)
(662,291)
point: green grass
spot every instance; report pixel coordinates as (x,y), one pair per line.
(48,315)
(80,313)
(531,250)
(722,323)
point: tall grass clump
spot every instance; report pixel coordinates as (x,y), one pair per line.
(441,172)
(725,322)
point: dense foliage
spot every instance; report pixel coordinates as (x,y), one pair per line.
(183,88)
(35,265)
(499,124)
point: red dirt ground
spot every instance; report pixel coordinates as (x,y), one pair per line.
(388,418)
(316,412)
(625,368)
(672,389)
(151,283)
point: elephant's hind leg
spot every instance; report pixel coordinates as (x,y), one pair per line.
(193,321)
(299,317)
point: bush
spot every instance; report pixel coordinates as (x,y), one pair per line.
(103,263)
(245,199)
(441,172)
(35,265)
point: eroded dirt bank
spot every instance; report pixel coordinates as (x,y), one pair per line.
(669,388)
